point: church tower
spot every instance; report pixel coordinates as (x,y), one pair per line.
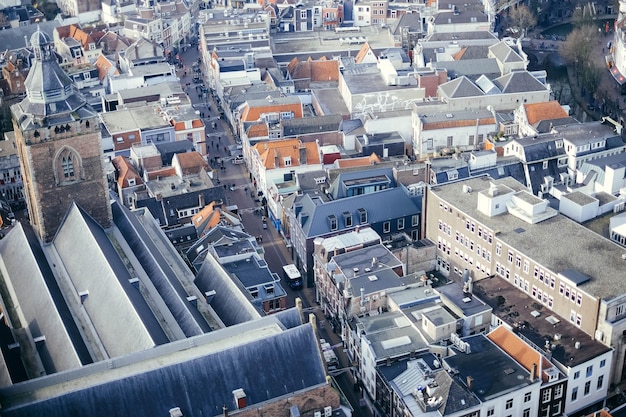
(59,146)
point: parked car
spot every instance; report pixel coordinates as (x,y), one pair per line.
(238,159)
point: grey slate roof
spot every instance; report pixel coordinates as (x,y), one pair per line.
(231,302)
(376,204)
(308,125)
(518,82)
(460,87)
(158,264)
(13,38)
(504,53)
(472,68)
(338,188)
(120,315)
(23,275)
(266,368)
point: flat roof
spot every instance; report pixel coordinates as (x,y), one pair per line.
(517,312)
(134,118)
(603,264)
(502,375)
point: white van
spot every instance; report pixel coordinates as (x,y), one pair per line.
(238,159)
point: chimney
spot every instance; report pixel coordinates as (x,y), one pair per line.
(240,398)
(470,382)
(224,411)
(201,201)
(313,321)
(533,373)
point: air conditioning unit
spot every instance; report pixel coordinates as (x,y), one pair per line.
(328,411)
(317,414)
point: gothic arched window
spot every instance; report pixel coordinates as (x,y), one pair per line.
(67,166)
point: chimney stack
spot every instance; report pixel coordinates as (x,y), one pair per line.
(533,373)
(224,411)
(470,382)
(240,398)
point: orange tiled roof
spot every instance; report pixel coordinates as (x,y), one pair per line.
(125,171)
(105,67)
(325,70)
(162,172)
(257,130)
(459,55)
(519,350)
(293,64)
(277,151)
(189,160)
(363,161)
(208,212)
(362,53)
(180,126)
(251,114)
(544,111)
(447,124)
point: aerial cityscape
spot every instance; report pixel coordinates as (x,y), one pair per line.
(313,208)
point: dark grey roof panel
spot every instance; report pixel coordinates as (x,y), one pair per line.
(158,268)
(265,369)
(231,301)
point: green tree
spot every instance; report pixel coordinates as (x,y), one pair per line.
(522,19)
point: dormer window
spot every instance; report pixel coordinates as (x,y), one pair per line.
(347,216)
(332,222)
(287,161)
(362,215)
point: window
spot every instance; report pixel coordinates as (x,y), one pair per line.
(400,224)
(574,394)
(386,227)
(546,396)
(526,413)
(119,139)
(509,404)
(510,257)
(587,388)
(362,215)
(498,249)
(526,266)
(576,374)
(579,298)
(558,391)
(545,164)
(602,363)
(600,382)
(332,222)
(518,261)
(589,371)
(527,396)
(490,411)
(348,218)
(68,166)
(415,219)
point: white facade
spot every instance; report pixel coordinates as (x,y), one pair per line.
(588,382)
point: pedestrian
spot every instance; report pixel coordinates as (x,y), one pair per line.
(224,146)
(219,139)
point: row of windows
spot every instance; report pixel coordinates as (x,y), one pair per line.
(575,318)
(587,388)
(570,294)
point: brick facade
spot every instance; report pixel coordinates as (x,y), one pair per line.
(308,402)
(47,193)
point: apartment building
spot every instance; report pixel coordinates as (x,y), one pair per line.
(497,228)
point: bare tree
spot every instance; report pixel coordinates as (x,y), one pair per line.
(522,20)
(579,45)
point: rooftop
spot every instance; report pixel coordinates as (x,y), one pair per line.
(518,311)
(596,256)
(502,376)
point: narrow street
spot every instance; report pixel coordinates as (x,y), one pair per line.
(240,192)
